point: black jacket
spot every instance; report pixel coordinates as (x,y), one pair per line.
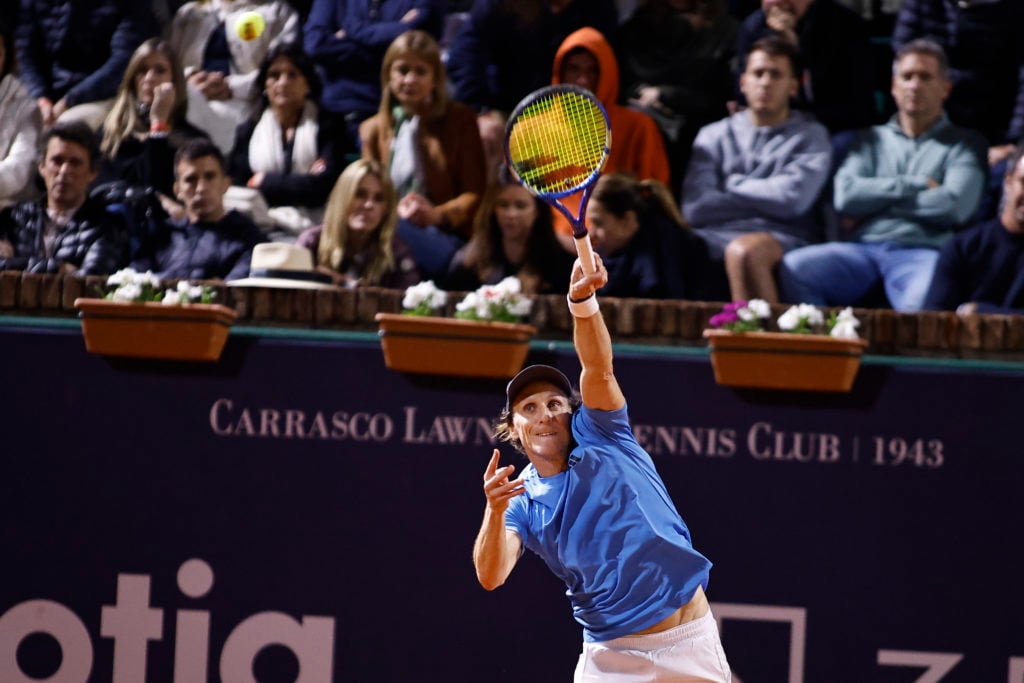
(203,251)
(94,240)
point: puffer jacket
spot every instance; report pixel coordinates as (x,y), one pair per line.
(95,240)
(203,251)
(78,50)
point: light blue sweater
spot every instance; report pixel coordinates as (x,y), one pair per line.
(884,182)
(744,178)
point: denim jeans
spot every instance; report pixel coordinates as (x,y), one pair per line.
(846,273)
(432,248)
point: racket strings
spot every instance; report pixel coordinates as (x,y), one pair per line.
(558,142)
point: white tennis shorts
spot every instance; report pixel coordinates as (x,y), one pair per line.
(689,653)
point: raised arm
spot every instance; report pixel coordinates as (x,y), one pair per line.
(497,548)
(598,386)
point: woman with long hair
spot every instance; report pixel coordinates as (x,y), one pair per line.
(146,124)
(648,249)
(512,235)
(431,147)
(357,244)
(290,151)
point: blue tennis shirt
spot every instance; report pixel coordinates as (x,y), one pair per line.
(608,528)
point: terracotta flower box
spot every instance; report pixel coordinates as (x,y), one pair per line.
(452,346)
(777,360)
(196,332)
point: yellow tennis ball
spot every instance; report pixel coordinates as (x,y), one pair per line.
(250,26)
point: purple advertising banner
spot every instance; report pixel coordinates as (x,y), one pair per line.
(298,512)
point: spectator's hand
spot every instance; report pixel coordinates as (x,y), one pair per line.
(339,279)
(848,223)
(497,486)
(46,109)
(6,249)
(59,108)
(968,308)
(410,16)
(998,153)
(698,22)
(933,183)
(175,210)
(256,180)
(649,97)
(783,22)
(163,104)
(318,167)
(211,84)
(340,34)
(492,134)
(418,210)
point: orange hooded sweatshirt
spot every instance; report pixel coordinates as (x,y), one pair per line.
(637,145)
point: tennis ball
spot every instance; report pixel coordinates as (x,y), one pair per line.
(250,26)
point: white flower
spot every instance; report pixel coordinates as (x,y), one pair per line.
(845,329)
(424,293)
(510,286)
(188,292)
(805,314)
(470,303)
(148,278)
(846,325)
(171,298)
(760,308)
(127,292)
(520,306)
(118,278)
(503,301)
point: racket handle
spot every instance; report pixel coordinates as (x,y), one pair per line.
(586,254)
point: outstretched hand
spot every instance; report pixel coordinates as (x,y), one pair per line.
(497,487)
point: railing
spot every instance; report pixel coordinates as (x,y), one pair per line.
(669,322)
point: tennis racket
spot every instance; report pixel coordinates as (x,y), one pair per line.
(556,142)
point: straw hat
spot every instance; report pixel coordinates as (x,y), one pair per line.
(279,264)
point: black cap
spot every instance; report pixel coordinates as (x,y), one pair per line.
(535,373)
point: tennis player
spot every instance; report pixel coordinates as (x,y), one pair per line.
(591,504)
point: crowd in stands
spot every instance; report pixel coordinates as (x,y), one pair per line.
(834,152)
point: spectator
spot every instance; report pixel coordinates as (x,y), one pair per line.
(506,50)
(72,54)
(832,43)
(431,148)
(585,59)
(986,61)
(209,242)
(347,40)
(649,250)
(65,232)
(676,58)
(512,235)
(901,191)
(291,152)
(986,67)
(20,124)
(357,244)
(754,178)
(981,270)
(221,67)
(147,123)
